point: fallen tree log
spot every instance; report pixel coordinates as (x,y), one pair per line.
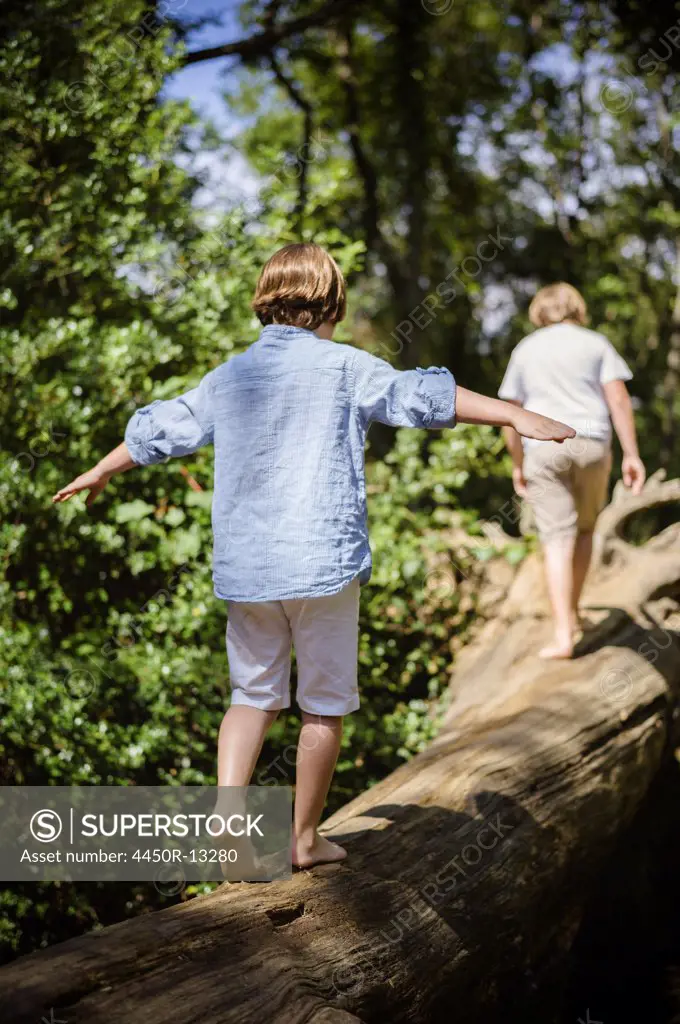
(469,866)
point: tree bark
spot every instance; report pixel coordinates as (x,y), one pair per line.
(469,866)
(261,44)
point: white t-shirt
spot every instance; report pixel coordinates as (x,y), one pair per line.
(559,371)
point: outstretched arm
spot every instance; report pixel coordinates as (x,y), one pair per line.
(177,426)
(474,408)
(96,479)
(431,398)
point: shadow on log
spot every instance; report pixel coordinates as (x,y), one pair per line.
(469,866)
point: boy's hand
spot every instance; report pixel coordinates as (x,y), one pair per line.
(519,482)
(633,473)
(540,428)
(93,481)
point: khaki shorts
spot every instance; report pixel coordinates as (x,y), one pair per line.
(567,485)
(325,633)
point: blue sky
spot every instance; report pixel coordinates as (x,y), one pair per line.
(202,83)
(227,176)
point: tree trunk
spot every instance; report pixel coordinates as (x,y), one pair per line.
(469,866)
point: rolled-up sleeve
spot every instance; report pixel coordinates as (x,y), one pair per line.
(404,398)
(178,426)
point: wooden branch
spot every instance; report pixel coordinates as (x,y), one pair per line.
(657,491)
(192,482)
(469,867)
(272,12)
(263,43)
(373,235)
(412,63)
(365,169)
(303,158)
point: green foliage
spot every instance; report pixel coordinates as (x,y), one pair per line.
(116,291)
(429,134)
(552,124)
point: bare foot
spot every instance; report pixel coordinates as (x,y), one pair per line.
(240,862)
(557,651)
(319,851)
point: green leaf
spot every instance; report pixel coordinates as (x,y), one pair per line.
(133,511)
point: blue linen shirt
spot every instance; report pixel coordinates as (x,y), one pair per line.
(288,418)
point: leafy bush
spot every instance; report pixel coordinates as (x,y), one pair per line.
(115,291)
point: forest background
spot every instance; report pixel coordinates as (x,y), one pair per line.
(454,156)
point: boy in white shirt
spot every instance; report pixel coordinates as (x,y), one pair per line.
(566,371)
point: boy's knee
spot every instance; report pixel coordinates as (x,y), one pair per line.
(310,717)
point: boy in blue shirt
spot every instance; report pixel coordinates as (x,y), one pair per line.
(288,419)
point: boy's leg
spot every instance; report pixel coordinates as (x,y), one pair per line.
(317,753)
(325,633)
(591,482)
(242,734)
(549,474)
(258,649)
(558,555)
(583,552)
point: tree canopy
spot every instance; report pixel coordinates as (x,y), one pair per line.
(453,157)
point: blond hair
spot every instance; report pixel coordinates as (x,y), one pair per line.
(301,285)
(557,302)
